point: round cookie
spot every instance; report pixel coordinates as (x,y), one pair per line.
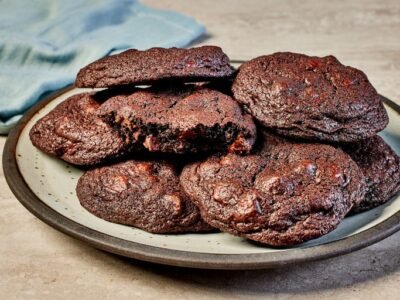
(315,98)
(181,119)
(282,196)
(381,168)
(156,64)
(143,194)
(74,132)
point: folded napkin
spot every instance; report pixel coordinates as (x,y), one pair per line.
(44,43)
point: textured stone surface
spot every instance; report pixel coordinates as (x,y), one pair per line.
(38,262)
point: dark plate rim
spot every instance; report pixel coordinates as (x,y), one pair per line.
(175,257)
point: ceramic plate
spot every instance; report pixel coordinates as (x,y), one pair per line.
(46,186)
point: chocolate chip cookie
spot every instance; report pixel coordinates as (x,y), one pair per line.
(143,194)
(281,196)
(74,132)
(381,168)
(315,98)
(156,64)
(181,119)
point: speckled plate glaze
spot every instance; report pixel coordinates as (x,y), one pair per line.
(46,186)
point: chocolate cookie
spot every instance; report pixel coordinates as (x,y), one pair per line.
(284,195)
(181,119)
(156,64)
(143,194)
(73,132)
(314,98)
(381,168)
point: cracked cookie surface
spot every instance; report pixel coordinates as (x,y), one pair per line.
(74,132)
(156,64)
(143,194)
(315,98)
(285,194)
(381,168)
(181,119)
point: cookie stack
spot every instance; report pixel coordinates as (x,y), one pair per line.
(278,152)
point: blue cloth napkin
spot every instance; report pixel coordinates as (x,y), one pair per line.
(44,43)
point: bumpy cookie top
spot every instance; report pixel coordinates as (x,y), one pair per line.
(144,194)
(285,195)
(181,119)
(156,64)
(381,167)
(310,97)
(74,132)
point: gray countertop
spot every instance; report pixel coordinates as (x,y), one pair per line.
(38,262)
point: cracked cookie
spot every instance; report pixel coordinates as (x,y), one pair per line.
(281,196)
(181,119)
(381,168)
(74,132)
(315,98)
(143,194)
(137,67)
